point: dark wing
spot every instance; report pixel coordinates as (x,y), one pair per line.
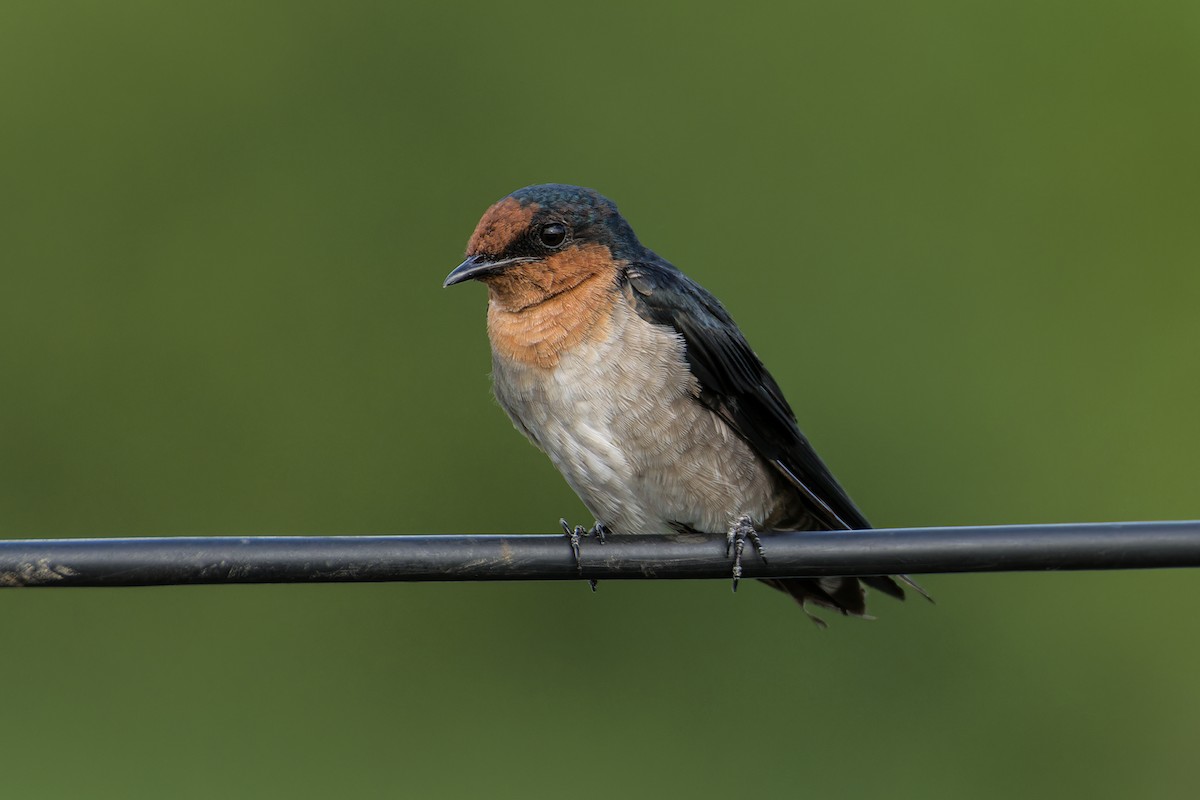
(736,385)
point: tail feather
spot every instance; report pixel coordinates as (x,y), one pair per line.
(885,584)
(844,595)
(916,587)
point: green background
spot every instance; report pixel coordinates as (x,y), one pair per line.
(962,235)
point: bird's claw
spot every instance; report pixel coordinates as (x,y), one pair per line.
(735,541)
(575,535)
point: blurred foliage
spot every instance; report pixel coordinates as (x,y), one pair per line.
(962,235)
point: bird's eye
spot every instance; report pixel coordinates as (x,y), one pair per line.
(553,234)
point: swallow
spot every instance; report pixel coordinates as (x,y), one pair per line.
(643,392)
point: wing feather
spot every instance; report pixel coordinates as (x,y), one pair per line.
(735,385)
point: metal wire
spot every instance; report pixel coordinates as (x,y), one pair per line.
(335,559)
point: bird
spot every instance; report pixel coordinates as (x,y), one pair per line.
(637,384)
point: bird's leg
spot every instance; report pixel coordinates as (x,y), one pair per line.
(741,530)
(578,532)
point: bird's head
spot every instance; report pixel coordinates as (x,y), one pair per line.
(544,240)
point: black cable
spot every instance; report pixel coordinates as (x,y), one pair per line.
(317,559)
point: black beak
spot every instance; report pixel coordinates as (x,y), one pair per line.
(478,267)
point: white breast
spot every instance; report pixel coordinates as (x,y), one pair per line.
(620,420)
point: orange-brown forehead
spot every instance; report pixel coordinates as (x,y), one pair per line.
(502,223)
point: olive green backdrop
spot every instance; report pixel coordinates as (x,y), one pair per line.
(962,235)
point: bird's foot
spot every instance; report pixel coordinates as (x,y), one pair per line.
(576,534)
(741,530)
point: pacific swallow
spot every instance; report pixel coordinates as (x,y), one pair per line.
(641,389)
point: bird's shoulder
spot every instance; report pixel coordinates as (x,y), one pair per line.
(734,383)
(717,351)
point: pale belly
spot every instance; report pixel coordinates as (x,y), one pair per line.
(620,421)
